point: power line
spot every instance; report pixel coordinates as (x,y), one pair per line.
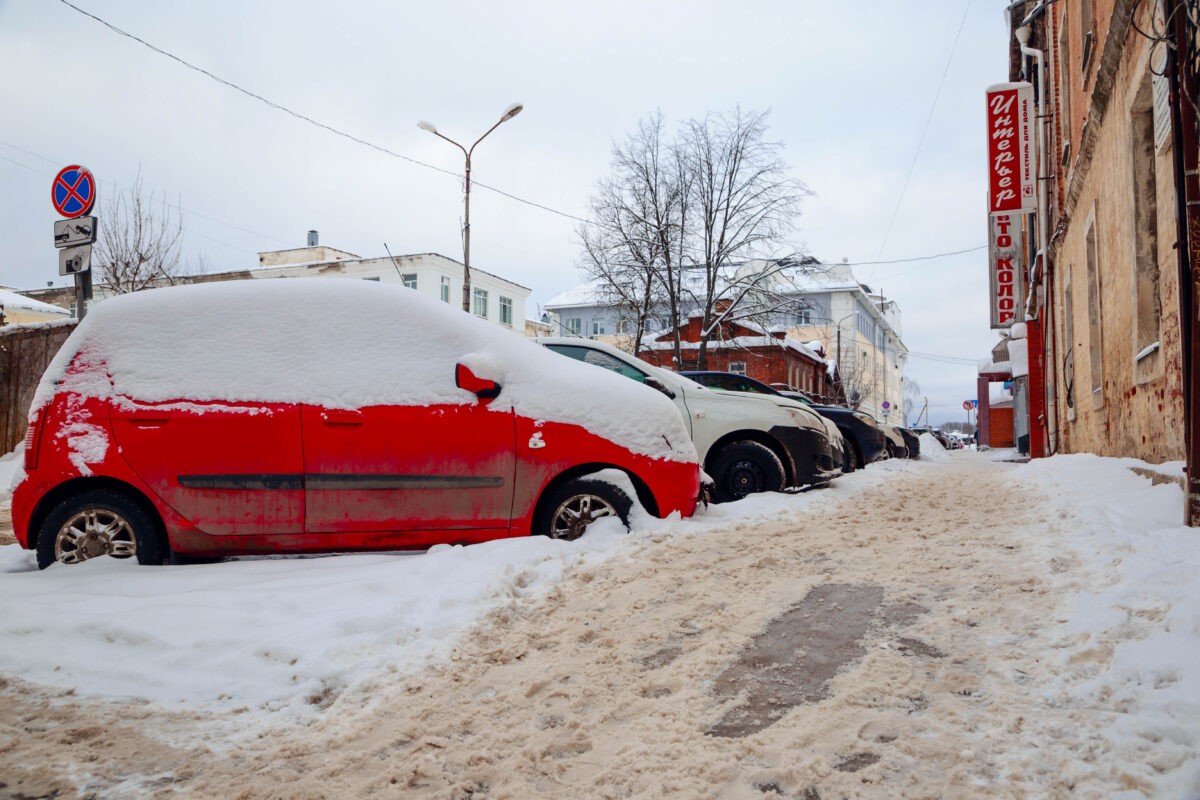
(113,184)
(944,359)
(924,131)
(905,260)
(310,120)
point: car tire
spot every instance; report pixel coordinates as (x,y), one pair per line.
(569,508)
(744,468)
(99,522)
(849,463)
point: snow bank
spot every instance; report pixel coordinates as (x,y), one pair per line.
(932,449)
(1137,609)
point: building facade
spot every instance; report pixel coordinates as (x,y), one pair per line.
(857,330)
(745,349)
(492,298)
(1103,321)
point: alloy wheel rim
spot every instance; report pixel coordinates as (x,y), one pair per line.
(573,515)
(94,532)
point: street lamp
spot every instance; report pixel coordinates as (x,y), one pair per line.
(508,114)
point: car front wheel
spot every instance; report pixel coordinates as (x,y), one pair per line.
(96,523)
(572,506)
(744,468)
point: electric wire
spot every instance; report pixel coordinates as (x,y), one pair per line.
(943,359)
(386,151)
(113,185)
(311,121)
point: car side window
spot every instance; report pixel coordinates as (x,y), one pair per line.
(599,359)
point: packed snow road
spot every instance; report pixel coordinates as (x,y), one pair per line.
(957,628)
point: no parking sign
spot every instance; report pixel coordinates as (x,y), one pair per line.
(73,192)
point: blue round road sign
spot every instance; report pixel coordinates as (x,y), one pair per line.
(73,192)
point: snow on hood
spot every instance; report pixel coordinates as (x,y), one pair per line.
(343,344)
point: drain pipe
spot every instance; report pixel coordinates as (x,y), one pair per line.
(1037,270)
(1023,33)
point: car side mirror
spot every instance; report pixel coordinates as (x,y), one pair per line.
(482,388)
(655,383)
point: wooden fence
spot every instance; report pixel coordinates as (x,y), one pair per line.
(25,351)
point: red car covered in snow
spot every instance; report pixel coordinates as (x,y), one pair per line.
(313,415)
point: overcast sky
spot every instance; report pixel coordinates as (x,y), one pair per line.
(851,87)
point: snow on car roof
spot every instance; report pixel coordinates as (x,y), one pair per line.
(343,344)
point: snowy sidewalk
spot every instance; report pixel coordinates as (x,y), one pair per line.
(1003,630)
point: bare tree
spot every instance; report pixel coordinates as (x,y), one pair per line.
(744,204)
(139,243)
(680,226)
(633,246)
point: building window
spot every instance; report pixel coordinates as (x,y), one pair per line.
(445,289)
(598,327)
(1064,90)
(1087,37)
(479,305)
(574,326)
(506,311)
(623,326)
(1069,341)
(737,367)
(1095,342)
(804,316)
(409,279)
(1147,307)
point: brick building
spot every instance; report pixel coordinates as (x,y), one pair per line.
(746,349)
(1105,359)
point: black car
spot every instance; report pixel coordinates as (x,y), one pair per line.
(865,440)
(912,440)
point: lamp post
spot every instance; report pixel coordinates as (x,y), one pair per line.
(508,114)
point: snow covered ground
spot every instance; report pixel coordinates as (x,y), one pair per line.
(1109,660)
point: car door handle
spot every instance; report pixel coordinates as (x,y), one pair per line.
(148,420)
(342,417)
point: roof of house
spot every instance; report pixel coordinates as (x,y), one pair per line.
(13,301)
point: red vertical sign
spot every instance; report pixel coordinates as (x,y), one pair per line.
(1012,182)
(1006,270)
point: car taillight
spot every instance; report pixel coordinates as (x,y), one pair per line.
(33,437)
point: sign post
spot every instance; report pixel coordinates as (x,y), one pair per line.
(73,195)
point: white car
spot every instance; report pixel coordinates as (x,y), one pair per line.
(747,443)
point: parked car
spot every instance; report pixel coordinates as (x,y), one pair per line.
(733,382)
(941,437)
(912,441)
(863,441)
(896,446)
(867,441)
(747,443)
(318,415)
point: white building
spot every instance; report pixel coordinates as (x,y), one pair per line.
(860,330)
(492,297)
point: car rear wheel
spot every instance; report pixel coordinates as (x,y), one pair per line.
(744,468)
(572,506)
(99,522)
